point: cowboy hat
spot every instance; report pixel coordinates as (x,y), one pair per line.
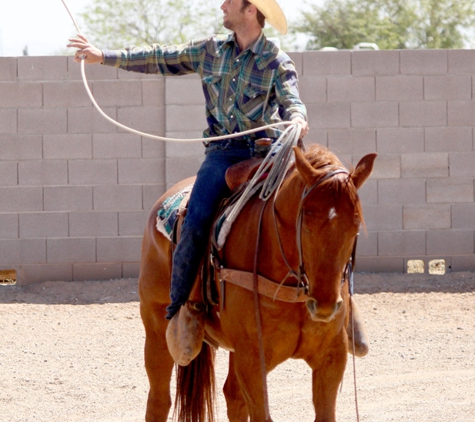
(273,13)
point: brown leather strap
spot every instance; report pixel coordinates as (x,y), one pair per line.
(266,287)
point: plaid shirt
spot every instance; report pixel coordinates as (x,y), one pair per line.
(243,89)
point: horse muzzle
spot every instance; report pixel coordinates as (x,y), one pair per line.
(323,313)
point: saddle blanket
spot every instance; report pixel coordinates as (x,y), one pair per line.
(168,213)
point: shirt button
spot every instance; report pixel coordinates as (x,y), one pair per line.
(232,116)
(237,60)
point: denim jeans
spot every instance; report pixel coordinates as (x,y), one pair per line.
(208,191)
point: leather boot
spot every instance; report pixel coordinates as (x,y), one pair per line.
(185,333)
(357,332)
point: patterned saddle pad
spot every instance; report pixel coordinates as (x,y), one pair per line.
(169,212)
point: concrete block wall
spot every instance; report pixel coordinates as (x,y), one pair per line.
(76,190)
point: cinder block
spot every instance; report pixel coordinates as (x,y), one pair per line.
(152,148)
(316,136)
(428,164)
(188,118)
(92,172)
(21,147)
(65,94)
(125,74)
(423,62)
(132,223)
(71,250)
(130,269)
(93,73)
(420,114)
(448,87)
(461,113)
(399,140)
(88,120)
(43,224)
(184,91)
(449,139)
(15,252)
(452,190)
(98,271)
(379,265)
(32,274)
(8,120)
(463,263)
(21,94)
(118,198)
(42,120)
(42,68)
(351,88)
(67,198)
(116,145)
(426,217)
(383,217)
(92,224)
(367,244)
(151,193)
(153,92)
(9,224)
(297,58)
(118,93)
(313,89)
(462,164)
(387,167)
(118,249)
(375,114)
(183,149)
(15,199)
(145,119)
(67,146)
(352,141)
(8,69)
(401,243)
(399,88)
(449,242)
(180,168)
(368,193)
(329,115)
(141,170)
(8,173)
(463,216)
(461,61)
(402,191)
(326,63)
(43,173)
(375,62)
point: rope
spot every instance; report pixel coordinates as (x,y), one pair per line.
(161,138)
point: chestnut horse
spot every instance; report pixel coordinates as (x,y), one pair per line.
(304,235)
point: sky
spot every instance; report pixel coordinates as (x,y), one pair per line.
(44,26)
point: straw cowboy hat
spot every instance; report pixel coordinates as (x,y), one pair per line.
(273,13)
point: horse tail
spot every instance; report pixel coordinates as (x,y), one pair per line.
(195,389)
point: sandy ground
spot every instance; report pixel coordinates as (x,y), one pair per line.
(73,352)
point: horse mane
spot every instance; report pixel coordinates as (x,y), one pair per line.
(323,161)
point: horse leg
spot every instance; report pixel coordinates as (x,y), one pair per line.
(158,362)
(236,407)
(327,374)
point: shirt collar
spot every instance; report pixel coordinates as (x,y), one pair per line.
(257,47)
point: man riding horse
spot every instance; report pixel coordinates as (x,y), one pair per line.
(248,82)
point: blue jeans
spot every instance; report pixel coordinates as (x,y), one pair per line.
(208,191)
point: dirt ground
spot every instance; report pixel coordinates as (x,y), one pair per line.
(72,351)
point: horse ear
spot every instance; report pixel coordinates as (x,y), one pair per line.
(363,170)
(303,166)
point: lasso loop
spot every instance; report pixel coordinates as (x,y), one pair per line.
(148,135)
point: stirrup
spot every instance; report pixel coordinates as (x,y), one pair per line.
(185,333)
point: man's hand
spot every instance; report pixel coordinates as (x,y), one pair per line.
(303,124)
(86,51)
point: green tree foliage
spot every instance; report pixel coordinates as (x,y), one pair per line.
(119,23)
(391,24)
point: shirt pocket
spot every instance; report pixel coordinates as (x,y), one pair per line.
(254,98)
(212,88)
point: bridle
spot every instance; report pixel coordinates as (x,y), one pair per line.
(300,274)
